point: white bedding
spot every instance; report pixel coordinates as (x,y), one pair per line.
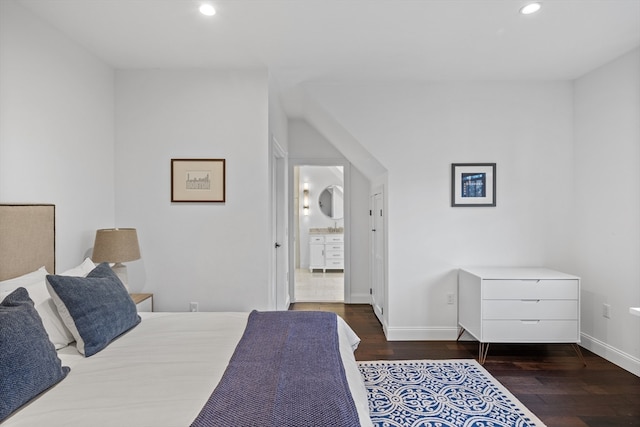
(159,374)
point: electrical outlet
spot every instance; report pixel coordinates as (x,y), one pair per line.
(193,307)
(450,298)
(606,311)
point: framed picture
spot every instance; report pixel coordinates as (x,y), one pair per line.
(198,180)
(473,184)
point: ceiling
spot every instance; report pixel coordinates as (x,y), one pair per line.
(354,41)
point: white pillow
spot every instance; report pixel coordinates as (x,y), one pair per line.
(24,281)
(36,284)
(8,286)
(80,271)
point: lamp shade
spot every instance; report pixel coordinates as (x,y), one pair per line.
(116,245)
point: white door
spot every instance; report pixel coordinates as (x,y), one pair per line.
(280,273)
(377,256)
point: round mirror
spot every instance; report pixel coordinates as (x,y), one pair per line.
(331,202)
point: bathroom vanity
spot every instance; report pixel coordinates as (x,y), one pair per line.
(326,250)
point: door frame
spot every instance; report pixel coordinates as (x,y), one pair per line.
(293,235)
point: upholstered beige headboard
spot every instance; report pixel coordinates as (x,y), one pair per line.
(27,239)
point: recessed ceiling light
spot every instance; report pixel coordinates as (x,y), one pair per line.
(207,9)
(530,8)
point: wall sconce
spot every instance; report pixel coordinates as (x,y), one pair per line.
(305,198)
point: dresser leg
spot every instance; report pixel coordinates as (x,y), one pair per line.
(460,333)
(483,349)
(576,347)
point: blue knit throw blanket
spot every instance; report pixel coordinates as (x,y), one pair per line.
(285,371)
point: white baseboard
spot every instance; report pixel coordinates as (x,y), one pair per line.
(360,299)
(612,354)
(421,333)
(602,349)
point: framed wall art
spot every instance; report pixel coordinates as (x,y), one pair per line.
(198,180)
(473,184)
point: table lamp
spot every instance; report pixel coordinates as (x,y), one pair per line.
(116,245)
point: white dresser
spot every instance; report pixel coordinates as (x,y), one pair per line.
(518,305)
(326,251)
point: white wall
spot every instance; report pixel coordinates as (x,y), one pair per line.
(215,254)
(606,226)
(306,143)
(56,129)
(416,131)
(278,122)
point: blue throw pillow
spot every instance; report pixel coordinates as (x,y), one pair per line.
(96,309)
(29,363)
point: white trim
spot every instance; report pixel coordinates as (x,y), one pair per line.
(360,299)
(409,333)
(612,354)
(602,349)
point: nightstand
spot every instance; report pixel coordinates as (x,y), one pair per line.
(144,302)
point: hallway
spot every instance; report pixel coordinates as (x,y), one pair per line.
(319,286)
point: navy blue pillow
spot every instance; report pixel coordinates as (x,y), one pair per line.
(96,309)
(29,363)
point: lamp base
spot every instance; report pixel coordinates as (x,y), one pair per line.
(121,271)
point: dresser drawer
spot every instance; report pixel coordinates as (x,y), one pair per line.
(316,239)
(334,247)
(334,263)
(564,331)
(331,238)
(530,309)
(530,289)
(333,255)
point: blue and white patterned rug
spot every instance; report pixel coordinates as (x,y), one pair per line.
(443,393)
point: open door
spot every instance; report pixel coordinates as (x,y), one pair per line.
(377,255)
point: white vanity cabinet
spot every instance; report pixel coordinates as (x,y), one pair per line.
(334,252)
(518,305)
(316,252)
(326,251)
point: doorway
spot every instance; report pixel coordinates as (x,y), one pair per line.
(319,233)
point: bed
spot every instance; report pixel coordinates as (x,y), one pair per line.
(169,369)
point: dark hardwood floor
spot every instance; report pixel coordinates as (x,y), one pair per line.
(549,379)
